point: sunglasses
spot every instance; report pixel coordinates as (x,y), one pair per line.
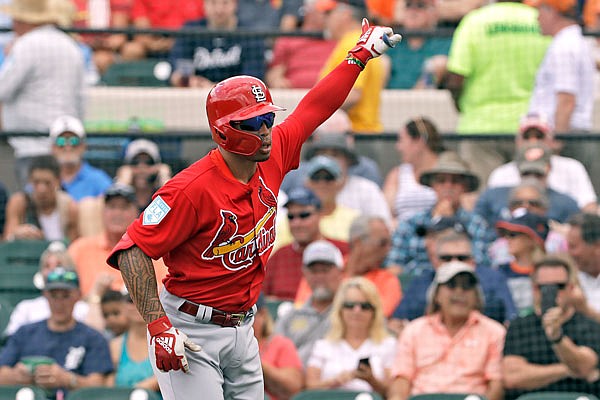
(255,123)
(450,257)
(381,242)
(300,215)
(533,134)
(533,174)
(510,235)
(364,306)
(418,5)
(450,179)
(136,162)
(322,176)
(60,275)
(464,284)
(73,141)
(522,203)
(559,285)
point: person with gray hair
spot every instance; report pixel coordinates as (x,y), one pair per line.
(453,340)
(533,162)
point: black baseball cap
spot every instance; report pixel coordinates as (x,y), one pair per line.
(441,224)
(120,190)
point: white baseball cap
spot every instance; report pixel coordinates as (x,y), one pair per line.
(322,251)
(66,123)
(139,146)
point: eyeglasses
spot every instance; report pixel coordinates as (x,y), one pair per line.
(451,179)
(450,257)
(381,242)
(255,123)
(322,176)
(300,215)
(73,141)
(364,306)
(516,203)
(534,174)
(533,134)
(136,162)
(464,284)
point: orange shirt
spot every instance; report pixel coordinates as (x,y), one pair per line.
(90,254)
(435,362)
(388,286)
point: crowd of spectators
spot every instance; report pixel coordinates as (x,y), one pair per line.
(471,269)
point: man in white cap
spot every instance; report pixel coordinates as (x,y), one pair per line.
(322,268)
(454,348)
(79,179)
(567,175)
(40,79)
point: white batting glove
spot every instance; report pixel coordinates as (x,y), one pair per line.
(169,345)
(374,41)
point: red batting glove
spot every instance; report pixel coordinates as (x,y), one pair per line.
(375,41)
(169,345)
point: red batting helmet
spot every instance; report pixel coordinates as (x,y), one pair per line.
(237,99)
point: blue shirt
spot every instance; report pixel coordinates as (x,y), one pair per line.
(130,372)
(408,248)
(89,181)
(82,350)
(493,206)
(407,63)
(498,300)
(218,58)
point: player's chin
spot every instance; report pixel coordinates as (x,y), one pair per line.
(262,154)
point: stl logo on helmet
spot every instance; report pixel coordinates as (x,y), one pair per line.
(237,250)
(258,93)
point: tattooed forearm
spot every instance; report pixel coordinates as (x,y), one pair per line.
(139,277)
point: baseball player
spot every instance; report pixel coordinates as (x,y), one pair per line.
(214,226)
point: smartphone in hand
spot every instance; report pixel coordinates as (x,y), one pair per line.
(364,361)
(548,294)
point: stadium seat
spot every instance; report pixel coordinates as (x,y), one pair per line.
(336,394)
(448,396)
(19,261)
(110,393)
(134,73)
(10,392)
(557,396)
(5,310)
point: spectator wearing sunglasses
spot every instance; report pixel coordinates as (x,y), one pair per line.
(143,170)
(357,333)
(526,234)
(533,163)
(454,348)
(369,244)
(555,348)
(450,179)
(45,212)
(284,268)
(78,178)
(75,355)
(567,175)
(447,241)
(322,264)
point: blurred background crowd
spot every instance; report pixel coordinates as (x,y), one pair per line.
(441,234)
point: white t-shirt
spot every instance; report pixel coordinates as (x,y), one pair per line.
(364,196)
(591,289)
(568,67)
(333,358)
(35,310)
(567,176)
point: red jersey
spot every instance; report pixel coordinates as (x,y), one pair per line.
(169,14)
(215,233)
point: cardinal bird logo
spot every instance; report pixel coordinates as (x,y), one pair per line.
(238,250)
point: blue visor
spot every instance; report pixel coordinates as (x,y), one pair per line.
(255,123)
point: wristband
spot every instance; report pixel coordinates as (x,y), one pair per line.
(558,339)
(159,326)
(353,60)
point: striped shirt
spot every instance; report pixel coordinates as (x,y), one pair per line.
(411,196)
